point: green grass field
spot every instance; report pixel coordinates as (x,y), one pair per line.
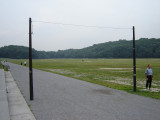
(113,73)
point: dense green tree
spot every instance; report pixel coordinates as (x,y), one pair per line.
(145,48)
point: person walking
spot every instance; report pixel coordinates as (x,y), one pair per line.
(149,76)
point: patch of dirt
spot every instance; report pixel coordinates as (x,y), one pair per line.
(116,68)
(119,82)
(61,71)
(155,90)
(123,71)
(87,61)
(152,90)
(80,75)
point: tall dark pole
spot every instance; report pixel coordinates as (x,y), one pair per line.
(134,61)
(30,60)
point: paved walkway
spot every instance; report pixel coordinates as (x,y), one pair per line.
(61,98)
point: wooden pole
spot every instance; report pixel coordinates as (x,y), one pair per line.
(30,60)
(134,61)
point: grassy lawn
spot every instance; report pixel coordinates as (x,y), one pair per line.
(113,73)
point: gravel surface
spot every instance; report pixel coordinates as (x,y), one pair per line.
(58,97)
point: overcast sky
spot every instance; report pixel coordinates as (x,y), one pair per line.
(14,22)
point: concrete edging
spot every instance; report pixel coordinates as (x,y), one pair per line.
(18,107)
(4,110)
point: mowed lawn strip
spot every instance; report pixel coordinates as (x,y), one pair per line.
(113,73)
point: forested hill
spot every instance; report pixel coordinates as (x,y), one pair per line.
(145,48)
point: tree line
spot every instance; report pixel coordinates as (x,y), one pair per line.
(145,48)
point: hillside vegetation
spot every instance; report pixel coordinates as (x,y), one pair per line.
(145,48)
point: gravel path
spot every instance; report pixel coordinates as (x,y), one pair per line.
(61,98)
